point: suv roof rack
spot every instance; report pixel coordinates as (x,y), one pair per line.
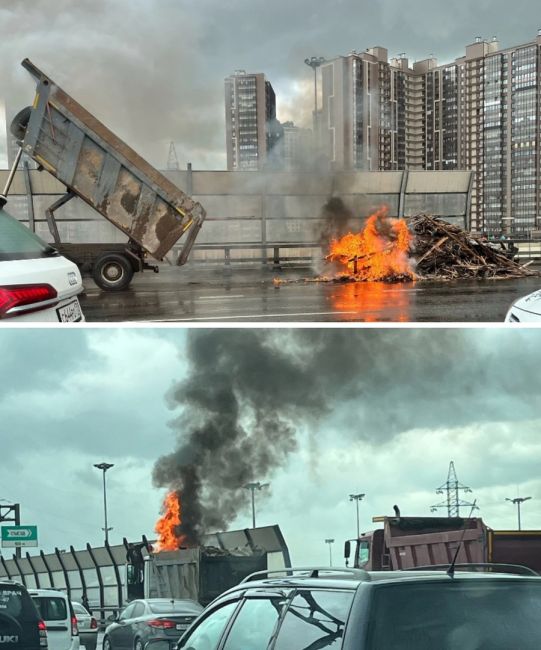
(309,572)
(480,567)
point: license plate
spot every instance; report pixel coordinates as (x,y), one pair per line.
(70,313)
(181,627)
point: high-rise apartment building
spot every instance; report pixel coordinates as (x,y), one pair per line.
(481,113)
(297,148)
(252,129)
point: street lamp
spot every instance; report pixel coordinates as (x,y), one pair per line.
(357,498)
(104,467)
(253,487)
(517,501)
(330,542)
(315,62)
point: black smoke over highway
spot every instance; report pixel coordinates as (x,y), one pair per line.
(249,393)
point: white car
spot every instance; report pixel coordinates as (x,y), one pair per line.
(36,283)
(526,309)
(57,613)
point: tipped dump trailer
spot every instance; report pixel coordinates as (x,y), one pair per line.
(95,165)
(409,542)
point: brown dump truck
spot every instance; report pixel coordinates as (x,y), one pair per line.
(410,542)
(97,167)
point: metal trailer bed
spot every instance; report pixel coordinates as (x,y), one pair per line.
(95,165)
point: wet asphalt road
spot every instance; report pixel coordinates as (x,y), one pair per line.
(215,295)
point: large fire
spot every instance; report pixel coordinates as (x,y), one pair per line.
(379,252)
(168,524)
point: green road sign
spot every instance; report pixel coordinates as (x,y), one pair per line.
(18,536)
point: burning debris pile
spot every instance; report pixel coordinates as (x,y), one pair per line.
(422,248)
(443,251)
(379,252)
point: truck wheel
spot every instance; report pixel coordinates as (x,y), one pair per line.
(20,122)
(112,272)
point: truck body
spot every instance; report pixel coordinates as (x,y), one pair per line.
(96,166)
(409,542)
(199,574)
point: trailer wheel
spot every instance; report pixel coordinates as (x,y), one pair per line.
(20,122)
(112,272)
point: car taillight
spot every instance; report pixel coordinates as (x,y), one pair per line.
(24,297)
(74,628)
(161,623)
(93,623)
(42,634)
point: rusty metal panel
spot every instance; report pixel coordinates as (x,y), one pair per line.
(70,143)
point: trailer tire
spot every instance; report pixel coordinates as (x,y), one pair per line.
(112,272)
(20,123)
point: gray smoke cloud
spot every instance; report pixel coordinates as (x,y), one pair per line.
(153,70)
(249,393)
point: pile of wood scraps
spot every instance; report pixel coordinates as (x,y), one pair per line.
(444,251)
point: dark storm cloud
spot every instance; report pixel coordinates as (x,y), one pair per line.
(249,392)
(153,70)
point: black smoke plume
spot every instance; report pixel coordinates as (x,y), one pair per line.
(249,392)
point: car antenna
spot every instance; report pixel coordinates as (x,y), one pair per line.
(451,569)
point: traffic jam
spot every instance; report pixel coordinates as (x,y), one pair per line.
(413,582)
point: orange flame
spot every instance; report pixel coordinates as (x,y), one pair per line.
(168,524)
(379,252)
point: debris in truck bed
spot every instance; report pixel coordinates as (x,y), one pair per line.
(443,251)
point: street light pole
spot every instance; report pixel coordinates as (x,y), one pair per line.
(330,542)
(357,498)
(518,501)
(315,62)
(256,485)
(104,467)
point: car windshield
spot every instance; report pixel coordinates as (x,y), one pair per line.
(187,607)
(458,615)
(19,243)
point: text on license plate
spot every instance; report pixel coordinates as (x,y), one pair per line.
(70,313)
(181,627)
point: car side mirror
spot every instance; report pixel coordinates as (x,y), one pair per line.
(347,550)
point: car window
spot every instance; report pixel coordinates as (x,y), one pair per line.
(314,619)
(254,624)
(127,613)
(19,243)
(456,615)
(51,608)
(208,633)
(188,607)
(363,553)
(79,609)
(138,610)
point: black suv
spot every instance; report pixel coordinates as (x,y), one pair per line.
(20,625)
(351,609)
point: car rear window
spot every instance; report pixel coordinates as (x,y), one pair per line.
(177,607)
(19,243)
(493,614)
(51,608)
(16,603)
(79,609)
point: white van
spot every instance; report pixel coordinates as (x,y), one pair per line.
(57,613)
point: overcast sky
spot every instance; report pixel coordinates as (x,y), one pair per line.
(153,70)
(389,410)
